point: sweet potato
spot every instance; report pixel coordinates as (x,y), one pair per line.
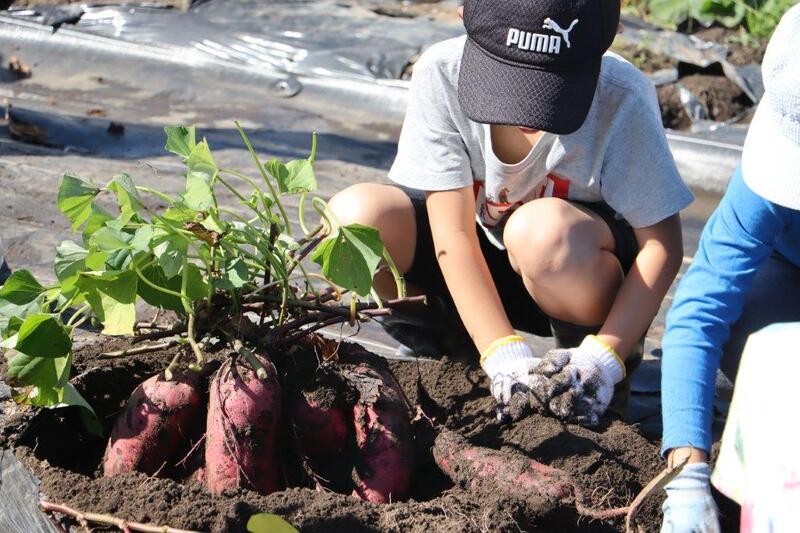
(385,452)
(511,474)
(154,429)
(242,429)
(322,427)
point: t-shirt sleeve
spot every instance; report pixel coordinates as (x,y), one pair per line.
(431,154)
(639,179)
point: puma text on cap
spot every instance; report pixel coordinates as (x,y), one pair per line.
(534,63)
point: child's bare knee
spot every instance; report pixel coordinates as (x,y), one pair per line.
(357,204)
(541,239)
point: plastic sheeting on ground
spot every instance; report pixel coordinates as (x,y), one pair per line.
(336,58)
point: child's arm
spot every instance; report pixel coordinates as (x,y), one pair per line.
(577,384)
(455,239)
(505,357)
(649,279)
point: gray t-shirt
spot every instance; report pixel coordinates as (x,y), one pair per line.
(619,155)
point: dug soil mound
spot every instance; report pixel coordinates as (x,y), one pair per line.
(610,464)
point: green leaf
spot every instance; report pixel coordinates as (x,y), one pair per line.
(350,257)
(42,372)
(169,250)
(157,298)
(21,288)
(197,286)
(301,177)
(69,262)
(269,523)
(127,196)
(141,239)
(198,195)
(180,140)
(179,212)
(10,312)
(278,171)
(42,335)
(201,161)
(213,223)
(236,276)
(68,396)
(112,296)
(97,219)
(109,239)
(75,198)
(294,177)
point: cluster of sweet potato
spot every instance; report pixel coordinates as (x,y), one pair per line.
(246,416)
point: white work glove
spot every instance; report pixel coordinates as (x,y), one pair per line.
(689,507)
(508,362)
(577,384)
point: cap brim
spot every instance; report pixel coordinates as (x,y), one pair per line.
(495,92)
(771,161)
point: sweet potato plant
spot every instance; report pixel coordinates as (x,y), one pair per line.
(235,280)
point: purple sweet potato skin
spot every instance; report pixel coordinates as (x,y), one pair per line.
(242,430)
(155,426)
(322,431)
(385,455)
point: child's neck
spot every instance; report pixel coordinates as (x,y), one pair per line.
(512,144)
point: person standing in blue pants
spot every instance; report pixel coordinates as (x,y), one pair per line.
(745,276)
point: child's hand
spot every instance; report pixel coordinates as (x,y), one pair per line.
(577,384)
(509,363)
(689,505)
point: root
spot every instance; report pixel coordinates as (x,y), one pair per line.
(141,349)
(655,485)
(84,518)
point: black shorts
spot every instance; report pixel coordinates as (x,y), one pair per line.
(521,309)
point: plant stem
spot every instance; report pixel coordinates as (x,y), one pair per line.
(275,195)
(153,285)
(177,329)
(398,278)
(244,201)
(198,353)
(78,313)
(167,198)
(300,214)
(240,348)
(312,329)
(141,349)
(119,523)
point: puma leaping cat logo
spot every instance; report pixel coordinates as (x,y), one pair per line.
(550,24)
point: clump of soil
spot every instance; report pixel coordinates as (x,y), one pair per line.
(740,52)
(611,464)
(723,99)
(643,58)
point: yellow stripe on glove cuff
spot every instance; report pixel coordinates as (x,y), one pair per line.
(613,352)
(488,352)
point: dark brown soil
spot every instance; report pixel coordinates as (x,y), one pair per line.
(644,59)
(740,53)
(608,465)
(673,115)
(722,98)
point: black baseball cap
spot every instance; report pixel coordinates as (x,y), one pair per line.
(534,63)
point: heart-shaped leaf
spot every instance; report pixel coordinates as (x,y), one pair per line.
(21,288)
(350,257)
(75,198)
(43,335)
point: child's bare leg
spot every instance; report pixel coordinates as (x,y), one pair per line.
(388,209)
(564,254)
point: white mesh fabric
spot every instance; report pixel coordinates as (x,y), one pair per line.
(771,157)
